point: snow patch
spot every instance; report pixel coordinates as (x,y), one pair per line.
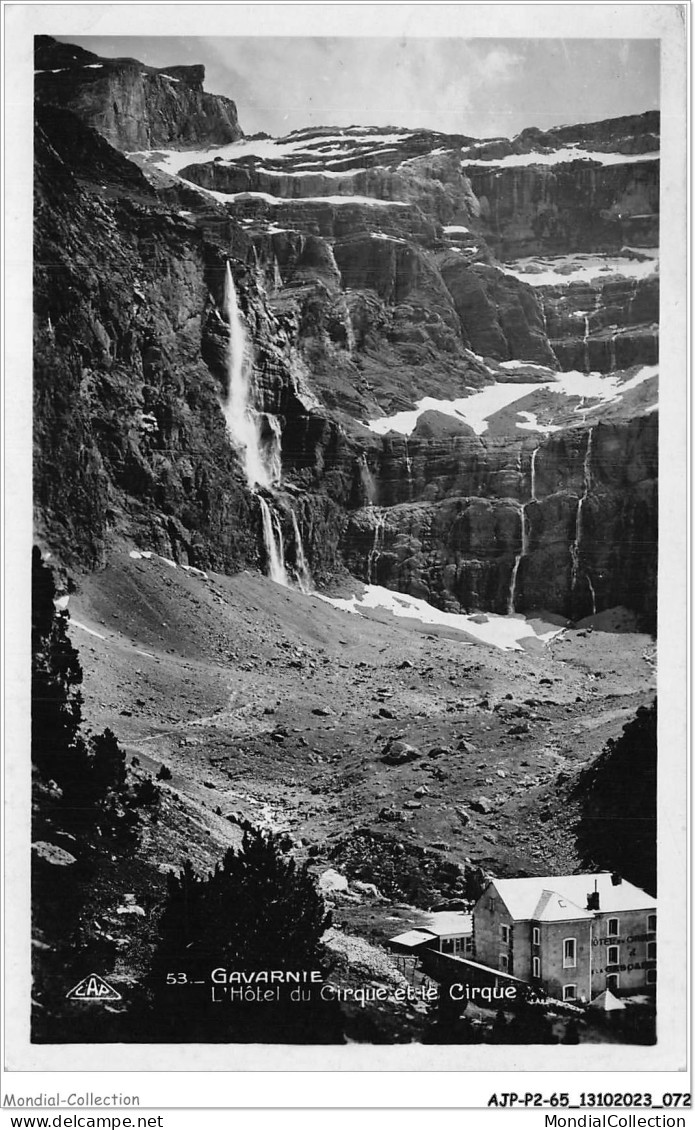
(530,423)
(564,269)
(84,628)
(476,410)
(505,632)
(561,156)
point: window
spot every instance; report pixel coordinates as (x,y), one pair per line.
(569,992)
(467,945)
(613,955)
(536,967)
(447,945)
(504,963)
(613,982)
(651,951)
(491,904)
(536,935)
(504,935)
(613,927)
(569,953)
(651,923)
(651,976)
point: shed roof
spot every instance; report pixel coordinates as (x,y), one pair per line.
(523,897)
(413,938)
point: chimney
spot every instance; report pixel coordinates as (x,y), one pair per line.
(592,899)
(616,879)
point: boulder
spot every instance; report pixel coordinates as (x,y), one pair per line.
(399,753)
(52,854)
(482,804)
(332,881)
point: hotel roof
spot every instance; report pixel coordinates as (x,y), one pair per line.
(542,898)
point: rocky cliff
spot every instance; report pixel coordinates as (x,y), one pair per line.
(376,274)
(133,106)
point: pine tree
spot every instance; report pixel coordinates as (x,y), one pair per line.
(258,911)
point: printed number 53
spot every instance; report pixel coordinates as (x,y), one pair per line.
(177,978)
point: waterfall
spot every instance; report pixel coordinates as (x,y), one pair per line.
(408,468)
(613,365)
(575,547)
(587,462)
(367,480)
(377,545)
(272,539)
(408,460)
(277,277)
(258,436)
(587,363)
(304,577)
(534,453)
(243,421)
(517,560)
(272,448)
(593,594)
(544,317)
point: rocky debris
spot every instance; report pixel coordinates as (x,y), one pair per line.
(397,752)
(482,804)
(366,889)
(392,815)
(51,853)
(332,881)
(439,751)
(130,906)
(368,960)
(464,746)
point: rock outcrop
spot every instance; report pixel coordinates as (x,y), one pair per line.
(133,106)
(569,525)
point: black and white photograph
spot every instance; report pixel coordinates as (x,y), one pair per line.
(348,557)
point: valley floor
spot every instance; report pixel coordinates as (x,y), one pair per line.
(276,706)
(269,703)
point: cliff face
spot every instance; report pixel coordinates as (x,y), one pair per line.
(568,524)
(131,105)
(577,206)
(366,278)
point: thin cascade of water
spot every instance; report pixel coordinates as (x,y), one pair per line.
(408,460)
(544,317)
(593,594)
(587,364)
(534,453)
(377,546)
(304,578)
(408,468)
(367,480)
(243,421)
(575,547)
(613,365)
(517,560)
(272,539)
